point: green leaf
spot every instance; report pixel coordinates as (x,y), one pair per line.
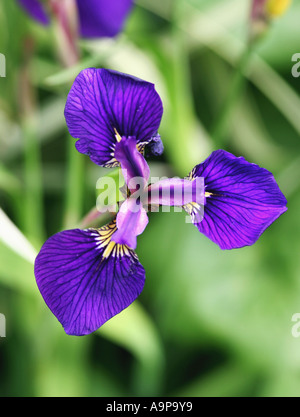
(134,330)
(13,238)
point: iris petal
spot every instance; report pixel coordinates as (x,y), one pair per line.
(242,200)
(36,9)
(104,105)
(85,278)
(97,18)
(102,18)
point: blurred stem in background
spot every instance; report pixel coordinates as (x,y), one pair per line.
(33,194)
(220,128)
(179,91)
(185,132)
(261,14)
(74,186)
(65,31)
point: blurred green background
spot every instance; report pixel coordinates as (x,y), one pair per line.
(209,322)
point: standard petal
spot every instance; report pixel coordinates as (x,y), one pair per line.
(36,9)
(105,105)
(85,278)
(242,200)
(102,18)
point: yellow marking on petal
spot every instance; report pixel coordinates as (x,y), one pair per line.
(112,163)
(141,147)
(125,250)
(109,249)
(190,176)
(276,8)
(192,207)
(117,135)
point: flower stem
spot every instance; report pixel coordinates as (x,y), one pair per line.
(33,199)
(74,188)
(220,130)
(33,190)
(66,31)
(182,114)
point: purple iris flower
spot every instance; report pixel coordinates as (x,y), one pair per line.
(97,18)
(88,276)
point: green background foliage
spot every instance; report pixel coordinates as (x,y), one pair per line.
(209,322)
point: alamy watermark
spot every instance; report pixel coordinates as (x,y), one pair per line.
(296,326)
(2,325)
(2,66)
(159,194)
(296,66)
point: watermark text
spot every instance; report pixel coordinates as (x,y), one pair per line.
(296,66)
(2,66)
(2,325)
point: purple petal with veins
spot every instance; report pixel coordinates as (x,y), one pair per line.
(85,278)
(104,106)
(242,200)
